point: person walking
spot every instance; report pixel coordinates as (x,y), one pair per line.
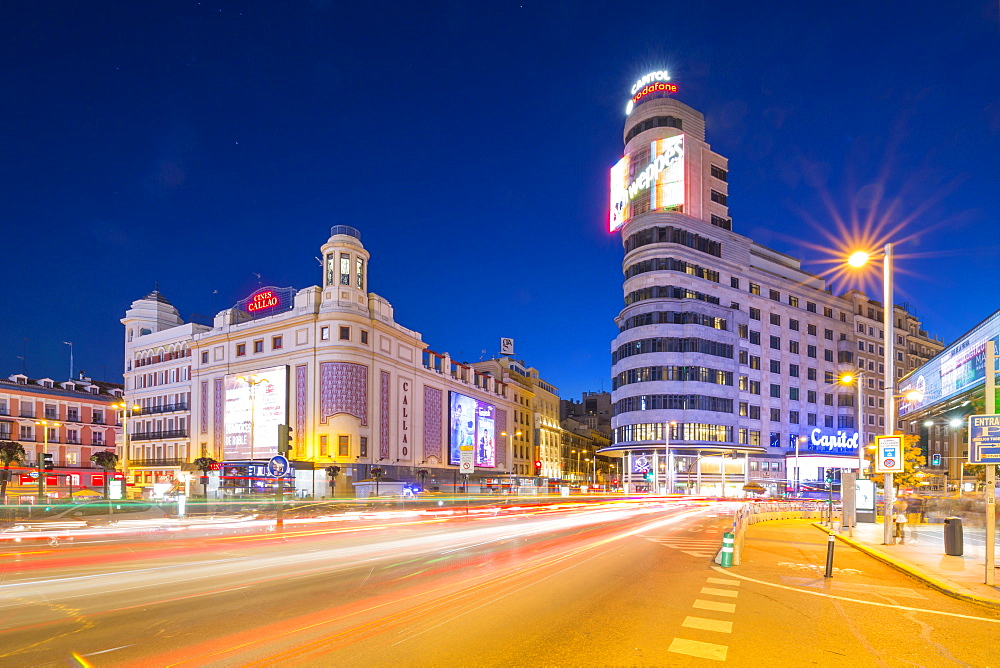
(899,518)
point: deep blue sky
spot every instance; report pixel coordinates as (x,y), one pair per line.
(195,143)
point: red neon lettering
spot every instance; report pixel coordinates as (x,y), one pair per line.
(653,88)
(262,300)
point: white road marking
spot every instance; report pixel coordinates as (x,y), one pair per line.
(707,624)
(715,605)
(702,650)
(854,600)
(725,593)
(698,554)
(723,581)
(105,651)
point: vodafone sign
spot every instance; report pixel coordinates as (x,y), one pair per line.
(654,84)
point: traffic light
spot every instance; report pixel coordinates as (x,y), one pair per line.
(647,474)
(935,460)
(45,461)
(538,467)
(284,439)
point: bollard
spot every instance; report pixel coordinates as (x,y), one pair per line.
(829,556)
(727,549)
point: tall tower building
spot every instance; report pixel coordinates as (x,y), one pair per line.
(728,352)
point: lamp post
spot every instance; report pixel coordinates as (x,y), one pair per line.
(847,379)
(796,486)
(888,319)
(670,457)
(579,469)
(45,424)
(124,410)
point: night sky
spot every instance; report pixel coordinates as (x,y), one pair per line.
(192,145)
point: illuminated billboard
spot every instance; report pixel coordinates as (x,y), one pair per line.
(255,404)
(648,179)
(265,302)
(959,368)
(472,424)
(652,85)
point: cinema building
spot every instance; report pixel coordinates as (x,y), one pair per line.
(729,352)
(359,390)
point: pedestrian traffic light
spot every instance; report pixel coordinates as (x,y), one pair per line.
(538,467)
(829,475)
(935,460)
(284,439)
(44,461)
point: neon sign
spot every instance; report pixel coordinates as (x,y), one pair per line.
(262,300)
(663,177)
(840,442)
(267,301)
(652,85)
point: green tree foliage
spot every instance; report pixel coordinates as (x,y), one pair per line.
(11,452)
(107,460)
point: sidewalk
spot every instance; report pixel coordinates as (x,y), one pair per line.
(923,558)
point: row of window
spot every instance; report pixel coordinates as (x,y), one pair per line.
(673,235)
(277,342)
(672,264)
(667,292)
(165,377)
(655,122)
(775,295)
(724,223)
(680,402)
(344,277)
(669,344)
(673,318)
(682,431)
(646,374)
(343,446)
(27,433)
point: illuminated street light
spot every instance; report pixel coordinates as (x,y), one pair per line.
(123,409)
(859,259)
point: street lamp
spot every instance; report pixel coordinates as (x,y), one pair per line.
(124,410)
(579,469)
(847,379)
(798,441)
(670,456)
(859,259)
(46,425)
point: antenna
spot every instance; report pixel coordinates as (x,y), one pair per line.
(70,344)
(24,356)
(258,278)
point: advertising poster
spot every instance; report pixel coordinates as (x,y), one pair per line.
(255,404)
(472,423)
(652,177)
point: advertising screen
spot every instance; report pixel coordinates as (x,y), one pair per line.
(648,179)
(472,423)
(958,368)
(255,404)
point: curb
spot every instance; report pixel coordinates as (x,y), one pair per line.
(912,571)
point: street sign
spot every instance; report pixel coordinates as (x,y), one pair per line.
(277,466)
(33,474)
(888,454)
(984,439)
(466,459)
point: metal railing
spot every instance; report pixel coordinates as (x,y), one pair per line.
(164,408)
(160,434)
(156,461)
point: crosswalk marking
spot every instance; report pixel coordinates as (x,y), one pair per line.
(702,604)
(725,593)
(723,581)
(708,624)
(702,650)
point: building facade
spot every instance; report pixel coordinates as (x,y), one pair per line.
(71,420)
(727,363)
(359,391)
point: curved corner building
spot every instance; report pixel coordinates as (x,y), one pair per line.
(725,348)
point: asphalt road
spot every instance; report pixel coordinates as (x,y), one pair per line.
(625,584)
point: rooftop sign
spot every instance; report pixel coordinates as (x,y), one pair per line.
(651,85)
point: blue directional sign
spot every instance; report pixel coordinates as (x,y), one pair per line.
(984,439)
(277,466)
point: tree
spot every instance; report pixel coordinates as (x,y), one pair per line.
(978,472)
(376,473)
(10,452)
(332,472)
(913,459)
(422,474)
(107,460)
(205,464)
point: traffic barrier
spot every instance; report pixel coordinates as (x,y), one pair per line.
(726,555)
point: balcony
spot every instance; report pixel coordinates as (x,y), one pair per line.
(98,420)
(164,408)
(159,435)
(156,461)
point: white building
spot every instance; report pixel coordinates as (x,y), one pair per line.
(729,342)
(358,389)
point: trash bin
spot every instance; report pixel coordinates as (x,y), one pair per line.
(954,543)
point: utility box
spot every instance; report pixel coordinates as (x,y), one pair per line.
(954,541)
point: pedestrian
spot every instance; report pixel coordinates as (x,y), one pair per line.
(899,518)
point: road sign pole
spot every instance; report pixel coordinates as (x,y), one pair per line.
(991,507)
(889,348)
